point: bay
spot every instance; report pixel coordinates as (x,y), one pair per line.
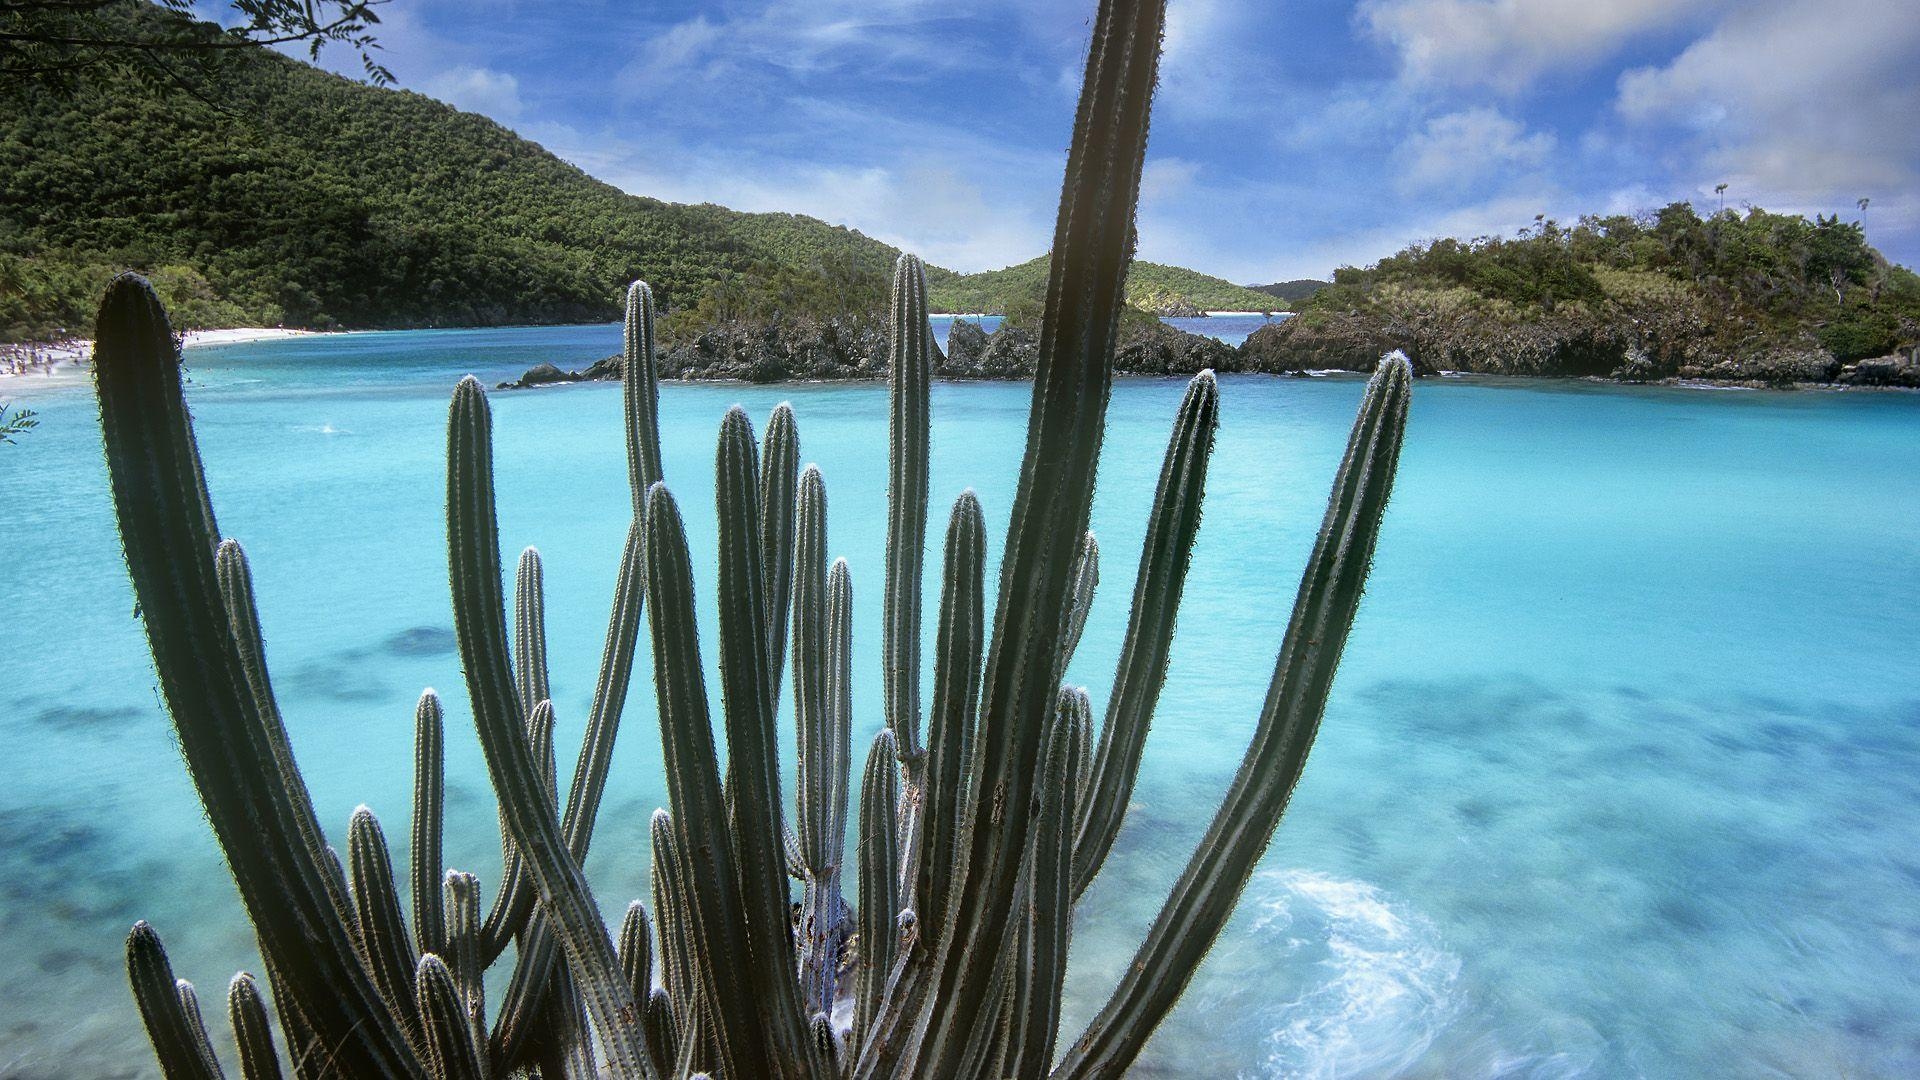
(1620,776)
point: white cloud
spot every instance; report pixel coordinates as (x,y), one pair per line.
(1470,145)
(1799,104)
(1508,44)
(477,89)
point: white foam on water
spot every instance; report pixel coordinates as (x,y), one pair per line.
(1380,991)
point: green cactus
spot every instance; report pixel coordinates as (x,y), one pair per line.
(972,846)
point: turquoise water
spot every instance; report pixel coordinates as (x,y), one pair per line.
(1621,776)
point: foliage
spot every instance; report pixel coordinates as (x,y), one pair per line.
(1780,276)
(14,422)
(998,291)
(57,46)
(1291,292)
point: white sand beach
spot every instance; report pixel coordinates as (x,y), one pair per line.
(27,369)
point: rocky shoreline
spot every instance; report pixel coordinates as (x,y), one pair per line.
(854,349)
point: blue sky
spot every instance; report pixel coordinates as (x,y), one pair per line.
(1289,136)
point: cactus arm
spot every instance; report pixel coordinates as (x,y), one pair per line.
(156,992)
(252,1031)
(1172,526)
(1036,1021)
(1323,613)
(779,475)
(640,393)
(480,628)
(463,948)
(879,871)
(821,735)
(910,371)
(530,631)
(956,696)
(261,815)
(447,1032)
(663,1036)
(718,952)
(753,764)
(429,810)
(385,948)
(1086,579)
(197,1026)
(1093,245)
(636,950)
(539,952)
(235,578)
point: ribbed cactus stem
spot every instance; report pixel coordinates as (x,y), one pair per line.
(451,1053)
(1086,579)
(909,427)
(910,372)
(530,631)
(252,1031)
(663,1033)
(480,627)
(822,647)
(539,951)
(1035,1020)
(243,616)
(1323,613)
(779,475)
(259,811)
(636,950)
(1172,525)
(197,1025)
(385,947)
(879,872)
(719,953)
(463,944)
(640,388)
(753,763)
(157,993)
(429,810)
(1092,247)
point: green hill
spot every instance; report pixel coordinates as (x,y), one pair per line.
(306,199)
(1292,291)
(1151,286)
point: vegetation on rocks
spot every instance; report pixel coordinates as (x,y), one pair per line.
(1163,290)
(1757,297)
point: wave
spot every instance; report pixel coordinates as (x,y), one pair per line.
(1378,985)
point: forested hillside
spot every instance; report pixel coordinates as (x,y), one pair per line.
(280,194)
(1165,290)
(1749,297)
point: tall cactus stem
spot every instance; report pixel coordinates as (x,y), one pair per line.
(252,1031)
(1172,526)
(429,811)
(1323,614)
(259,812)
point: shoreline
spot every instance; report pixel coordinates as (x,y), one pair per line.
(50,364)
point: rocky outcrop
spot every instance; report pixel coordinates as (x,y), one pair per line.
(1013,352)
(1662,347)
(1647,346)
(549,374)
(781,350)
(1894,369)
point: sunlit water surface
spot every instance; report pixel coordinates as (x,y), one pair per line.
(1621,776)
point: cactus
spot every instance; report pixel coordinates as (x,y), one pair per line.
(973,846)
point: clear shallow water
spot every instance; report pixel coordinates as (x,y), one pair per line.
(1620,778)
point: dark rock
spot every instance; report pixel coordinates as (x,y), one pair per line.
(1159,349)
(966,344)
(549,374)
(850,347)
(1894,369)
(1013,352)
(542,374)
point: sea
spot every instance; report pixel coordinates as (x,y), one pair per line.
(1620,776)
